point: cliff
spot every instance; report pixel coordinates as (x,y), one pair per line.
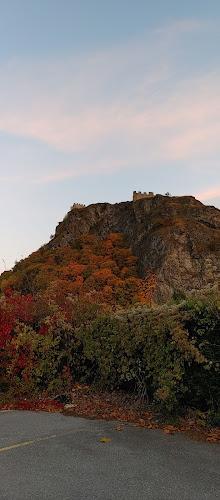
(177,237)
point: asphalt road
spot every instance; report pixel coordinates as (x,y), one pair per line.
(48,455)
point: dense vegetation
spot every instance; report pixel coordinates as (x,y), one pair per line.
(82,314)
(107,268)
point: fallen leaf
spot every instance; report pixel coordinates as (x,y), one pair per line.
(148,415)
(201,422)
(105,440)
(118,428)
(214,436)
(150,426)
(169,429)
(142,422)
(212,439)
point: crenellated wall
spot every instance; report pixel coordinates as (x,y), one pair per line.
(77,205)
(139,195)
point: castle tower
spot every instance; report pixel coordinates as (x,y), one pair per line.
(139,195)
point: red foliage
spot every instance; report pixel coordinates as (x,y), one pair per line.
(102,272)
(49,405)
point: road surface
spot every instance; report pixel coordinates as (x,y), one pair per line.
(48,455)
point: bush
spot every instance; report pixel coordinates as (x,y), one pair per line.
(170,353)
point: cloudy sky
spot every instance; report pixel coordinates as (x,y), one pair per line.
(99,98)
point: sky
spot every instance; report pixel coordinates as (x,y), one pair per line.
(99,98)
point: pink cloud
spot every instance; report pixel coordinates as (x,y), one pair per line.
(209,194)
(58,176)
(186,124)
(145,122)
(10,179)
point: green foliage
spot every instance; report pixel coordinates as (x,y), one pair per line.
(147,348)
(169,353)
(203,382)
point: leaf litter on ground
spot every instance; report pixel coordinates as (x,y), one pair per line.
(87,402)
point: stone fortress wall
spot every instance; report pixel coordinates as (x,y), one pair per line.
(138,195)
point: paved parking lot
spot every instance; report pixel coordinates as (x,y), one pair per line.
(47,455)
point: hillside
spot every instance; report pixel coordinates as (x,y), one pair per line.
(65,314)
(177,237)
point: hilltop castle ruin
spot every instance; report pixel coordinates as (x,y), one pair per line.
(139,195)
(77,205)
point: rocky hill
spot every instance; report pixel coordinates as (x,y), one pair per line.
(177,237)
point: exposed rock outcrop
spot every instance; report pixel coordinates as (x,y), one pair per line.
(177,237)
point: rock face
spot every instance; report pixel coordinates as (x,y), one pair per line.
(177,237)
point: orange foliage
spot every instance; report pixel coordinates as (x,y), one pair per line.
(106,267)
(147,290)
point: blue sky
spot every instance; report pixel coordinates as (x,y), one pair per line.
(99,98)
